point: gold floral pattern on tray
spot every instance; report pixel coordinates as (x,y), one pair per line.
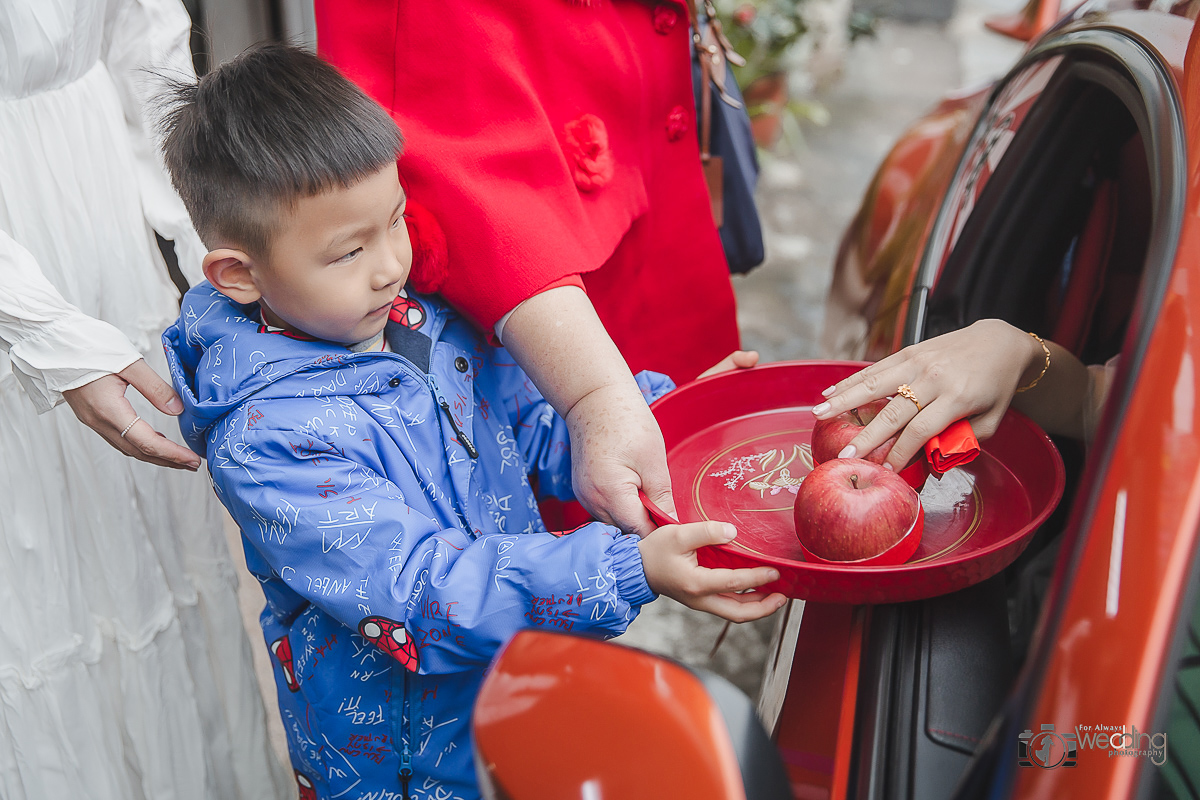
(769,471)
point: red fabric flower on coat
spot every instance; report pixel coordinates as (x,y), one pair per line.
(431,259)
(666,17)
(586,146)
(677,124)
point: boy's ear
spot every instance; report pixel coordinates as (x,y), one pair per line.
(228,271)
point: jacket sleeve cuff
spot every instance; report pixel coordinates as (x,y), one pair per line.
(631,576)
(653,385)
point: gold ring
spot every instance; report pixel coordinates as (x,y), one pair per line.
(905,391)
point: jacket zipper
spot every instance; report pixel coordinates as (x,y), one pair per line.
(406,770)
(467,444)
(462,437)
(458,432)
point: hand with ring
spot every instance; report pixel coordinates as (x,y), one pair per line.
(103,407)
(972,373)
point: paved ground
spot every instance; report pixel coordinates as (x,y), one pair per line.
(807,195)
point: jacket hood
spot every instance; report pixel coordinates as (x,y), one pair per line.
(219,359)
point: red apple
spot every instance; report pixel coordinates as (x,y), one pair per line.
(849,509)
(829,436)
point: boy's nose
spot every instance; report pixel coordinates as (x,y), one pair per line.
(391,268)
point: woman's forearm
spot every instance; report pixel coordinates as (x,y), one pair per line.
(559,341)
(1056,402)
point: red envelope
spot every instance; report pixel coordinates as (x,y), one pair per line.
(953,446)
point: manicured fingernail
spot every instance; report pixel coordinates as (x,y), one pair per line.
(773,575)
(820,408)
(175,405)
(827,392)
(782,602)
(889,467)
(849,451)
(730,532)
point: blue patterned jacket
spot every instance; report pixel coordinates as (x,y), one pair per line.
(385,505)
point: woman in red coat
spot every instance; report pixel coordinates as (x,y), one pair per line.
(555,142)
(554,139)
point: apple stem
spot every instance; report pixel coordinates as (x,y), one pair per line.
(857,418)
(854,480)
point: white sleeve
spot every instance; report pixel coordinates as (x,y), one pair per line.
(53,345)
(145,40)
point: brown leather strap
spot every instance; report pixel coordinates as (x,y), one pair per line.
(711,52)
(716,45)
(705,101)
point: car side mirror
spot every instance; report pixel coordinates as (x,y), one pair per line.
(561,716)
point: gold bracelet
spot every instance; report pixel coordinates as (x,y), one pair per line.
(1045,366)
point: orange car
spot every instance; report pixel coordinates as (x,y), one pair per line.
(1065,199)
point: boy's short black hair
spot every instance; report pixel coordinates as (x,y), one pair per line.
(272,125)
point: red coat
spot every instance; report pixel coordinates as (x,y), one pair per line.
(552,138)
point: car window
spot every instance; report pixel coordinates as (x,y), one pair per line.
(1055,241)
(1003,118)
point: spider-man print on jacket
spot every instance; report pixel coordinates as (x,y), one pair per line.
(281,648)
(390,636)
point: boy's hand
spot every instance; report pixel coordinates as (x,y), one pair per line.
(738,359)
(669,560)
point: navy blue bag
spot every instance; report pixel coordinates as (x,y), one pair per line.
(727,148)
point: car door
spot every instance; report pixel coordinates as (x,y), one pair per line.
(1063,218)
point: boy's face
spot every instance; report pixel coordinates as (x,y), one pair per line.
(337,261)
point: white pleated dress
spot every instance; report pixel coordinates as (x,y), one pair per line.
(125,672)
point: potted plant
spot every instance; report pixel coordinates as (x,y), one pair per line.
(763,32)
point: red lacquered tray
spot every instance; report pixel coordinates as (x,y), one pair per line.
(738,446)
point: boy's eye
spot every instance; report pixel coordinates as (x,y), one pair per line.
(349,256)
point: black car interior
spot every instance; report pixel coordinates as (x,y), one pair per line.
(1065,218)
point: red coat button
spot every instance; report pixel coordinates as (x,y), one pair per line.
(666,17)
(677,124)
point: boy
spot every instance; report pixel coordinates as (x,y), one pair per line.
(370,444)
